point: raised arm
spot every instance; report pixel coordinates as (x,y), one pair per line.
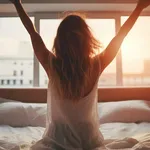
(112,49)
(41,52)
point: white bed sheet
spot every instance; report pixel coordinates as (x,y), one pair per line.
(21,138)
(122,130)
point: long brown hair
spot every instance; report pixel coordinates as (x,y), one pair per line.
(73,47)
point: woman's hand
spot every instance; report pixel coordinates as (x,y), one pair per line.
(143,3)
(15,1)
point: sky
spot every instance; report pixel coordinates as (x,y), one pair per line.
(15,41)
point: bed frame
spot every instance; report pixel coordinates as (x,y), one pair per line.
(38,95)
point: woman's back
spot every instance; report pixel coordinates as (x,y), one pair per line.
(73,124)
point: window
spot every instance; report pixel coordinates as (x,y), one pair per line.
(15,49)
(16,54)
(2,82)
(21,82)
(48,29)
(30,82)
(14,82)
(21,72)
(104,31)
(8,82)
(15,73)
(136,54)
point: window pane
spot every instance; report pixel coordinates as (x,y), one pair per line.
(104,31)
(16,54)
(136,54)
(48,29)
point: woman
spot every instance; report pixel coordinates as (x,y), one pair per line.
(73,70)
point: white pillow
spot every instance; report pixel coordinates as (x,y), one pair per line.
(19,114)
(4,100)
(126,111)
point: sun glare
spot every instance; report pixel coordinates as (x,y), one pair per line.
(130,50)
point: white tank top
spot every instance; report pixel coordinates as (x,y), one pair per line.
(73,126)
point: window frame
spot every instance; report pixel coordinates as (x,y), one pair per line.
(91,15)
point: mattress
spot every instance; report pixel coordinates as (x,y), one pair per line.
(22,138)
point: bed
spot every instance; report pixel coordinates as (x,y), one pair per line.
(124,113)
